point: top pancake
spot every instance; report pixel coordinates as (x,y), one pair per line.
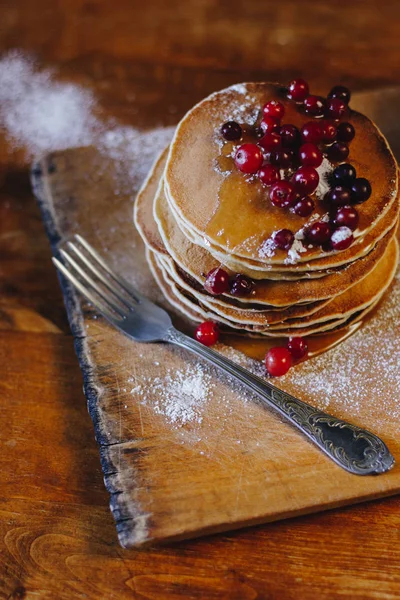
(231,211)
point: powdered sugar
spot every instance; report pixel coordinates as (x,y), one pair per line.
(267,249)
(324,171)
(294,252)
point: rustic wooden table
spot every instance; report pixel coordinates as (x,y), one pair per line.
(57,536)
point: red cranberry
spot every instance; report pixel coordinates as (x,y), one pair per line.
(207,333)
(341,238)
(306,180)
(297,347)
(283,239)
(282,194)
(290,136)
(217,281)
(310,155)
(231,131)
(278,361)
(270,141)
(346,216)
(304,207)
(329,131)
(269,125)
(341,92)
(241,285)
(274,109)
(338,196)
(336,108)
(345,132)
(269,175)
(282,158)
(312,132)
(344,174)
(298,90)
(361,190)
(319,232)
(248,158)
(314,106)
(338,152)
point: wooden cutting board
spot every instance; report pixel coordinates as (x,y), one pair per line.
(232,463)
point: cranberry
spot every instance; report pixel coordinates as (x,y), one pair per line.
(338,196)
(341,238)
(274,109)
(344,174)
(361,190)
(290,136)
(336,108)
(248,158)
(314,106)
(329,131)
(298,90)
(312,131)
(346,216)
(282,158)
(269,125)
(231,131)
(341,92)
(217,281)
(278,361)
(283,194)
(297,347)
(319,232)
(241,285)
(270,141)
(338,152)
(283,239)
(304,207)
(269,175)
(345,132)
(310,155)
(306,180)
(207,333)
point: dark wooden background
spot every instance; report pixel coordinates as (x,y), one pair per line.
(57,537)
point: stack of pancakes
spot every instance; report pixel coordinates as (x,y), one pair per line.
(196,212)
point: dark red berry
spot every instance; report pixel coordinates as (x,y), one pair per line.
(304,207)
(338,152)
(297,347)
(298,90)
(269,175)
(344,174)
(341,92)
(231,131)
(360,190)
(329,130)
(283,239)
(274,109)
(248,158)
(290,136)
(270,125)
(312,132)
(270,141)
(345,132)
(207,333)
(314,106)
(241,285)
(282,158)
(341,238)
(310,155)
(278,361)
(283,194)
(305,180)
(217,281)
(336,108)
(338,196)
(319,232)
(346,216)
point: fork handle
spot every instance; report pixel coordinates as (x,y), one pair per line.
(356,450)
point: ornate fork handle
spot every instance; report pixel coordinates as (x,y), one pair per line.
(357,450)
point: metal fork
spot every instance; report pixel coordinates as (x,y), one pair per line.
(357,450)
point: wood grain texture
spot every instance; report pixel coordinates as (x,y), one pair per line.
(57,535)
